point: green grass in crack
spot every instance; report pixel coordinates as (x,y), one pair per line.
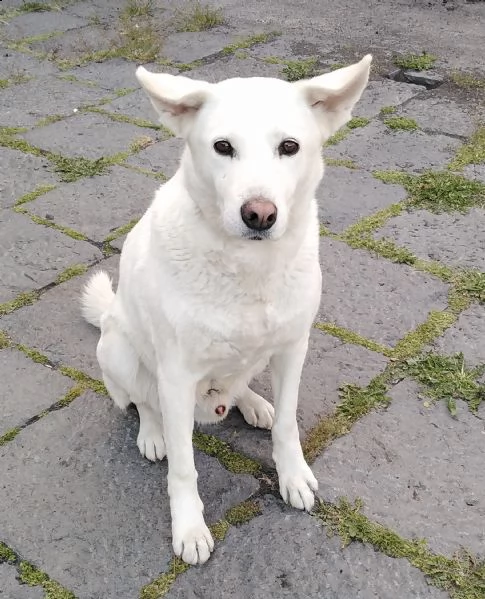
(198,16)
(249,42)
(468,287)
(24,299)
(415,62)
(401,123)
(462,576)
(358,121)
(354,123)
(467,81)
(232,461)
(299,69)
(446,378)
(438,191)
(385,110)
(32,576)
(473,152)
(6,554)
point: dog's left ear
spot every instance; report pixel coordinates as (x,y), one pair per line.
(333,95)
(176,99)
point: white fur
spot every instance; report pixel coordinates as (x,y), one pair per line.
(201,307)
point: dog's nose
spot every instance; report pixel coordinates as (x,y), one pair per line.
(220,410)
(259,215)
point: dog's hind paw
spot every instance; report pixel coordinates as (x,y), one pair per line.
(256,410)
(151,444)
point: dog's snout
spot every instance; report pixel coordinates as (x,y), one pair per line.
(259,214)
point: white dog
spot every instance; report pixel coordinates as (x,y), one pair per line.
(221,275)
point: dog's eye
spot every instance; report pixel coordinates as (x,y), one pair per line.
(288,147)
(224,148)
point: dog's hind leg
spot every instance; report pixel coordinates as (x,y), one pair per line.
(128,381)
(255,409)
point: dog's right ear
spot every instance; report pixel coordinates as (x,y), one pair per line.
(176,99)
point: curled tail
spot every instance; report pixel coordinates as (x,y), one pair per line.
(97,297)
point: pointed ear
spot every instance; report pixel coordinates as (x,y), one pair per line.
(176,99)
(332,96)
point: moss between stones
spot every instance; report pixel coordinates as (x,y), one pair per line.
(468,287)
(31,575)
(24,299)
(437,191)
(4,340)
(160,586)
(463,577)
(467,81)
(70,272)
(198,17)
(354,123)
(249,42)
(369,224)
(231,460)
(9,435)
(473,152)
(358,121)
(84,380)
(336,138)
(144,171)
(348,336)
(120,231)
(412,343)
(6,554)
(346,162)
(415,62)
(123,118)
(385,110)
(33,354)
(48,120)
(33,195)
(446,378)
(300,69)
(401,123)
(51,224)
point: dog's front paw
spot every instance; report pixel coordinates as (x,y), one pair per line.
(256,410)
(192,541)
(298,485)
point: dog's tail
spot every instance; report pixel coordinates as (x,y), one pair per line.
(97,297)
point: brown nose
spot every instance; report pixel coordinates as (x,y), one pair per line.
(220,410)
(259,215)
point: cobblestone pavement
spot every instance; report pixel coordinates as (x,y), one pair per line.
(391,412)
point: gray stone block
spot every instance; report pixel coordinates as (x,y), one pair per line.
(135,104)
(14,63)
(384,92)
(11,588)
(329,365)
(285,553)
(90,135)
(66,339)
(34,255)
(440,114)
(116,73)
(345,196)
(162,157)
(27,388)
(226,68)
(374,297)
(26,103)
(467,335)
(418,470)
(188,46)
(377,148)
(454,239)
(98,205)
(475,171)
(32,24)
(287,47)
(95,514)
(20,174)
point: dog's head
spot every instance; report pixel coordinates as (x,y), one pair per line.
(255,144)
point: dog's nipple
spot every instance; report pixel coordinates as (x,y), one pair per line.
(220,410)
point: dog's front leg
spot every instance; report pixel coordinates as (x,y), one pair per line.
(296,480)
(191,539)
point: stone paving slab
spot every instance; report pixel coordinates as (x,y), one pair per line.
(108,202)
(116,73)
(340,364)
(26,103)
(162,157)
(440,114)
(89,135)
(373,297)
(385,92)
(135,104)
(454,239)
(346,195)
(285,553)
(33,255)
(53,325)
(27,388)
(32,24)
(12,589)
(187,46)
(232,66)
(110,530)
(417,469)
(30,172)
(375,147)
(15,63)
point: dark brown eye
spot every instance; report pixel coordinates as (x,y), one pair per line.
(288,147)
(224,148)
